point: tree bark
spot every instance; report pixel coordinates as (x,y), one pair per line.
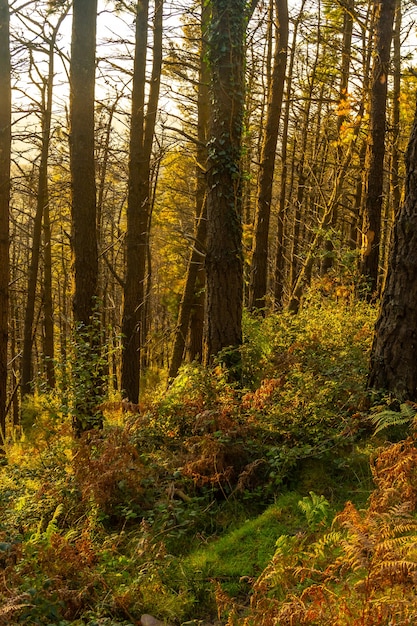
(303,167)
(5,144)
(42,215)
(84,215)
(279,270)
(139,196)
(193,295)
(84,218)
(259,265)
(328,260)
(393,364)
(385,11)
(224,260)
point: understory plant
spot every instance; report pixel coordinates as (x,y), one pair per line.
(148,514)
(361,572)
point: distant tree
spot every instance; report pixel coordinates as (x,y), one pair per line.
(224,259)
(281,252)
(384,18)
(5,144)
(259,265)
(142,129)
(393,364)
(342,118)
(45,86)
(192,301)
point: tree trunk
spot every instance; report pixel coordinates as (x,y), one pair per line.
(385,10)
(5,142)
(396,127)
(259,266)
(84,221)
(224,260)
(139,192)
(42,215)
(394,193)
(48,309)
(342,112)
(393,365)
(279,269)
(84,215)
(303,167)
(190,314)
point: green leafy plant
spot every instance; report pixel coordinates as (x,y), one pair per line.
(316,509)
(44,535)
(386,419)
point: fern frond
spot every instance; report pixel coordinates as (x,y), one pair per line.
(402,568)
(52,527)
(330,540)
(35,537)
(388,418)
(50,530)
(15,604)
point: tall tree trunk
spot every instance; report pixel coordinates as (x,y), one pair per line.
(395,158)
(193,296)
(84,210)
(42,215)
(224,260)
(139,202)
(368,29)
(393,364)
(385,11)
(282,212)
(328,260)
(5,143)
(259,266)
(84,214)
(393,204)
(303,170)
(48,309)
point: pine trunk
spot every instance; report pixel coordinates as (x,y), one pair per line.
(224,259)
(393,357)
(5,142)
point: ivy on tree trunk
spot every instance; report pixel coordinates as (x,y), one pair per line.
(224,259)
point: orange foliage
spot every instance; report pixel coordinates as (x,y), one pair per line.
(370,576)
(103,463)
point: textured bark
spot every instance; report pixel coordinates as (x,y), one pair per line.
(5,141)
(84,225)
(279,273)
(396,126)
(48,309)
(191,312)
(139,196)
(303,167)
(188,297)
(224,260)
(385,10)
(84,217)
(259,265)
(328,260)
(393,365)
(41,216)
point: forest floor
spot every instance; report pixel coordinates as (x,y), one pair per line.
(290,501)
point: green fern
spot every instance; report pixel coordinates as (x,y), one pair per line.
(326,543)
(388,418)
(52,528)
(315,508)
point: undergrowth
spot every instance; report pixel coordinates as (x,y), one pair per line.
(288,501)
